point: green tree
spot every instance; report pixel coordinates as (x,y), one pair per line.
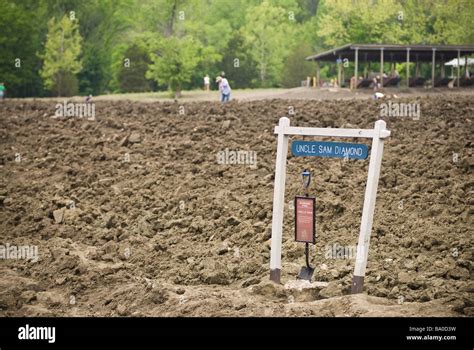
(239,66)
(131,75)
(339,22)
(61,57)
(296,68)
(104,25)
(21,34)
(453,22)
(268,31)
(173,62)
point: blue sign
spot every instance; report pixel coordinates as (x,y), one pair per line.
(329,149)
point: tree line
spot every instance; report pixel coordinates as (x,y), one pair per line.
(70,47)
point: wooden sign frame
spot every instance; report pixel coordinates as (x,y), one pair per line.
(378,134)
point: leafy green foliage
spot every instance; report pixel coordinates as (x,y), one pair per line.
(295,67)
(240,68)
(266,29)
(61,56)
(131,75)
(173,44)
(173,62)
(20,39)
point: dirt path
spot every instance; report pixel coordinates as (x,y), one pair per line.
(269,94)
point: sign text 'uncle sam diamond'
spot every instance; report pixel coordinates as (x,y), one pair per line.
(329,149)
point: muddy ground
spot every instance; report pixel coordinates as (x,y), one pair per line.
(132,214)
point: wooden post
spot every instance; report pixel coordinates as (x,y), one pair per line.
(366,72)
(339,71)
(392,64)
(443,71)
(369,206)
(278,201)
(408,67)
(465,66)
(417,68)
(317,73)
(283,130)
(433,62)
(459,64)
(381,67)
(343,75)
(356,67)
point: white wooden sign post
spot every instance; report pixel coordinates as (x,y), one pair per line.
(283,130)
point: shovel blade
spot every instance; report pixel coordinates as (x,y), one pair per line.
(306,273)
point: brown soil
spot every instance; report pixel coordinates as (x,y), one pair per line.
(172,232)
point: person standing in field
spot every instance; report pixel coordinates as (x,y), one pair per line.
(3,91)
(206,83)
(224,88)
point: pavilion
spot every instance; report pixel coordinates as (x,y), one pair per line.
(366,53)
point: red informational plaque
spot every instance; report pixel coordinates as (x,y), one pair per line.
(305,219)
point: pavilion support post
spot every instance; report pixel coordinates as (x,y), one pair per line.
(339,71)
(392,65)
(317,73)
(465,66)
(366,72)
(417,67)
(433,66)
(408,67)
(381,67)
(343,74)
(443,71)
(356,68)
(459,66)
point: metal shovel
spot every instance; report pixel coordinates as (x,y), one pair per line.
(306,272)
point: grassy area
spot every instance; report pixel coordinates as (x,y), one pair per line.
(187,96)
(192,95)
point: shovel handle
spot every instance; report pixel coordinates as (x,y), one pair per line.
(307,255)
